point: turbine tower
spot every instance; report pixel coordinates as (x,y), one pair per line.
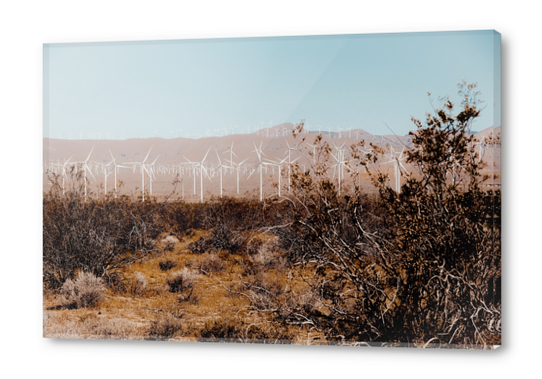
(86,169)
(231,154)
(279,164)
(341,162)
(220,167)
(289,163)
(116,168)
(202,170)
(143,169)
(150,172)
(237,167)
(64,173)
(397,159)
(260,165)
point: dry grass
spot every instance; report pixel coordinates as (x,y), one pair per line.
(146,309)
(85,291)
(167,265)
(182,280)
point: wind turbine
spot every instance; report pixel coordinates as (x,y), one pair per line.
(86,169)
(202,170)
(150,172)
(116,167)
(289,163)
(341,162)
(220,167)
(64,173)
(231,154)
(143,169)
(279,164)
(260,165)
(238,166)
(397,164)
(106,172)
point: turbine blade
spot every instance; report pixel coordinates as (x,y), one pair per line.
(203,160)
(147,155)
(90,171)
(89,154)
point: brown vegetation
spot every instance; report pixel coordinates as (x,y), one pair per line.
(419,267)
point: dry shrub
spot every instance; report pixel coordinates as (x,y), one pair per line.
(222,329)
(168,243)
(269,333)
(169,246)
(182,280)
(210,263)
(191,298)
(224,237)
(420,263)
(105,235)
(235,330)
(167,265)
(190,233)
(139,284)
(198,247)
(101,236)
(165,326)
(269,256)
(106,328)
(85,291)
(89,325)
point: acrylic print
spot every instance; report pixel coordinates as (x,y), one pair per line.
(317,190)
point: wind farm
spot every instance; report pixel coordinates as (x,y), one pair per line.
(166,159)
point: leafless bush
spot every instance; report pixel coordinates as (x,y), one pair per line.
(236,330)
(210,263)
(191,298)
(101,236)
(167,265)
(85,291)
(221,238)
(269,256)
(268,333)
(199,247)
(165,326)
(418,265)
(225,329)
(139,284)
(168,246)
(182,280)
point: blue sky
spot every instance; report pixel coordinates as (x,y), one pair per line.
(194,88)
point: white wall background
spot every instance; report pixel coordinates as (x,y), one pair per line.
(25,25)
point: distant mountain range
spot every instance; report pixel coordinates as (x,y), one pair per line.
(174,150)
(167,153)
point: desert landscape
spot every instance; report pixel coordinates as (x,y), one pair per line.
(304,266)
(233,155)
(367,214)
